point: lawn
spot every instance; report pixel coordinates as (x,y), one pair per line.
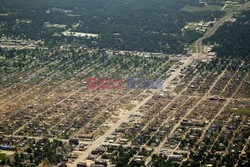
(3,156)
(129,107)
(169,64)
(200,9)
(192,48)
(245,111)
(230,8)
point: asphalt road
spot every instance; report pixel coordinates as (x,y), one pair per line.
(198,43)
(124,118)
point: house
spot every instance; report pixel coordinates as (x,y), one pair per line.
(101,162)
(7,147)
(62,165)
(99,150)
(120,130)
(73,141)
(175,157)
(81,164)
(123,141)
(85,137)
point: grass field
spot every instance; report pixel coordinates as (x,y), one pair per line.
(245,111)
(169,64)
(129,107)
(200,9)
(192,48)
(230,8)
(3,157)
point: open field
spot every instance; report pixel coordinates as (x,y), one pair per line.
(51,115)
(245,111)
(194,98)
(38,103)
(3,156)
(203,8)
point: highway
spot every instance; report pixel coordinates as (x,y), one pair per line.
(185,62)
(198,43)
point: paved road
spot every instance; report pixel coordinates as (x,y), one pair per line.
(125,117)
(161,145)
(102,138)
(198,43)
(36,138)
